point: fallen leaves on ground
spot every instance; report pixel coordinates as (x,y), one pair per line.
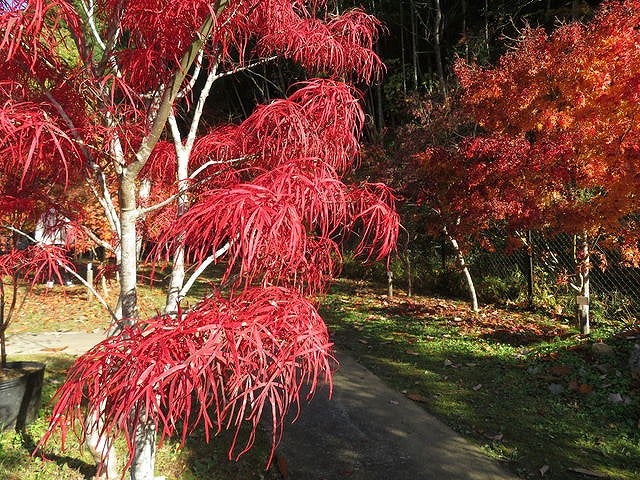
(416,397)
(513,326)
(63,308)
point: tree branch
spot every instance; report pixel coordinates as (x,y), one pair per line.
(171,93)
(88,10)
(201,268)
(97,240)
(68,270)
(206,165)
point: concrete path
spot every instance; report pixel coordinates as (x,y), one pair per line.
(370,432)
(365,432)
(71,343)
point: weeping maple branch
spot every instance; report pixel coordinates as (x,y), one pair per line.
(220,364)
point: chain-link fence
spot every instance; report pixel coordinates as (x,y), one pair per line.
(544,269)
(540,272)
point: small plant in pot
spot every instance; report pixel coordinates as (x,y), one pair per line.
(22,266)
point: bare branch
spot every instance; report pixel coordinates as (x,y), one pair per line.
(208,164)
(197,114)
(68,270)
(88,10)
(194,77)
(157,206)
(201,268)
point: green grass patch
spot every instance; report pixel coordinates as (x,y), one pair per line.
(525,386)
(198,460)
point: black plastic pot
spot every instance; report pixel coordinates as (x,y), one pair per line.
(20,396)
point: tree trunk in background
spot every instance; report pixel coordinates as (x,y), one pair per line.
(464,31)
(407,262)
(403,55)
(486,27)
(465,270)
(379,101)
(583,268)
(414,43)
(530,279)
(437,36)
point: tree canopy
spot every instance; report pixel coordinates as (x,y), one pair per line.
(107,98)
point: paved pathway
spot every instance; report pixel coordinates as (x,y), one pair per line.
(365,432)
(72,343)
(370,432)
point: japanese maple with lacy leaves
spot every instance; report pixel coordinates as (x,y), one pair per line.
(107,98)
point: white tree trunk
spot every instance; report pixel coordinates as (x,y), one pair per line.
(144,458)
(143,194)
(583,269)
(101,450)
(437,46)
(178,270)
(463,266)
(145,445)
(176,282)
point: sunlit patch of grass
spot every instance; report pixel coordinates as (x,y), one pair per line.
(495,389)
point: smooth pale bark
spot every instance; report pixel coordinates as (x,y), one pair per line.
(144,459)
(143,194)
(583,269)
(142,467)
(178,269)
(407,261)
(101,450)
(128,241)
(465,270)
(184,150)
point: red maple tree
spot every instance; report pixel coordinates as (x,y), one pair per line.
(557,146)
(110,95)
(559,115)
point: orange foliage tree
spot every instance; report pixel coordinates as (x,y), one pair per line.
(559,115)
(108,97)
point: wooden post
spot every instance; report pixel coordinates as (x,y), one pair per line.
(582,304)
(390,283)
(89,280)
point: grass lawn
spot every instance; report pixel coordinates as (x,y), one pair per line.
(534,393)
(529,388)
(68,309)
